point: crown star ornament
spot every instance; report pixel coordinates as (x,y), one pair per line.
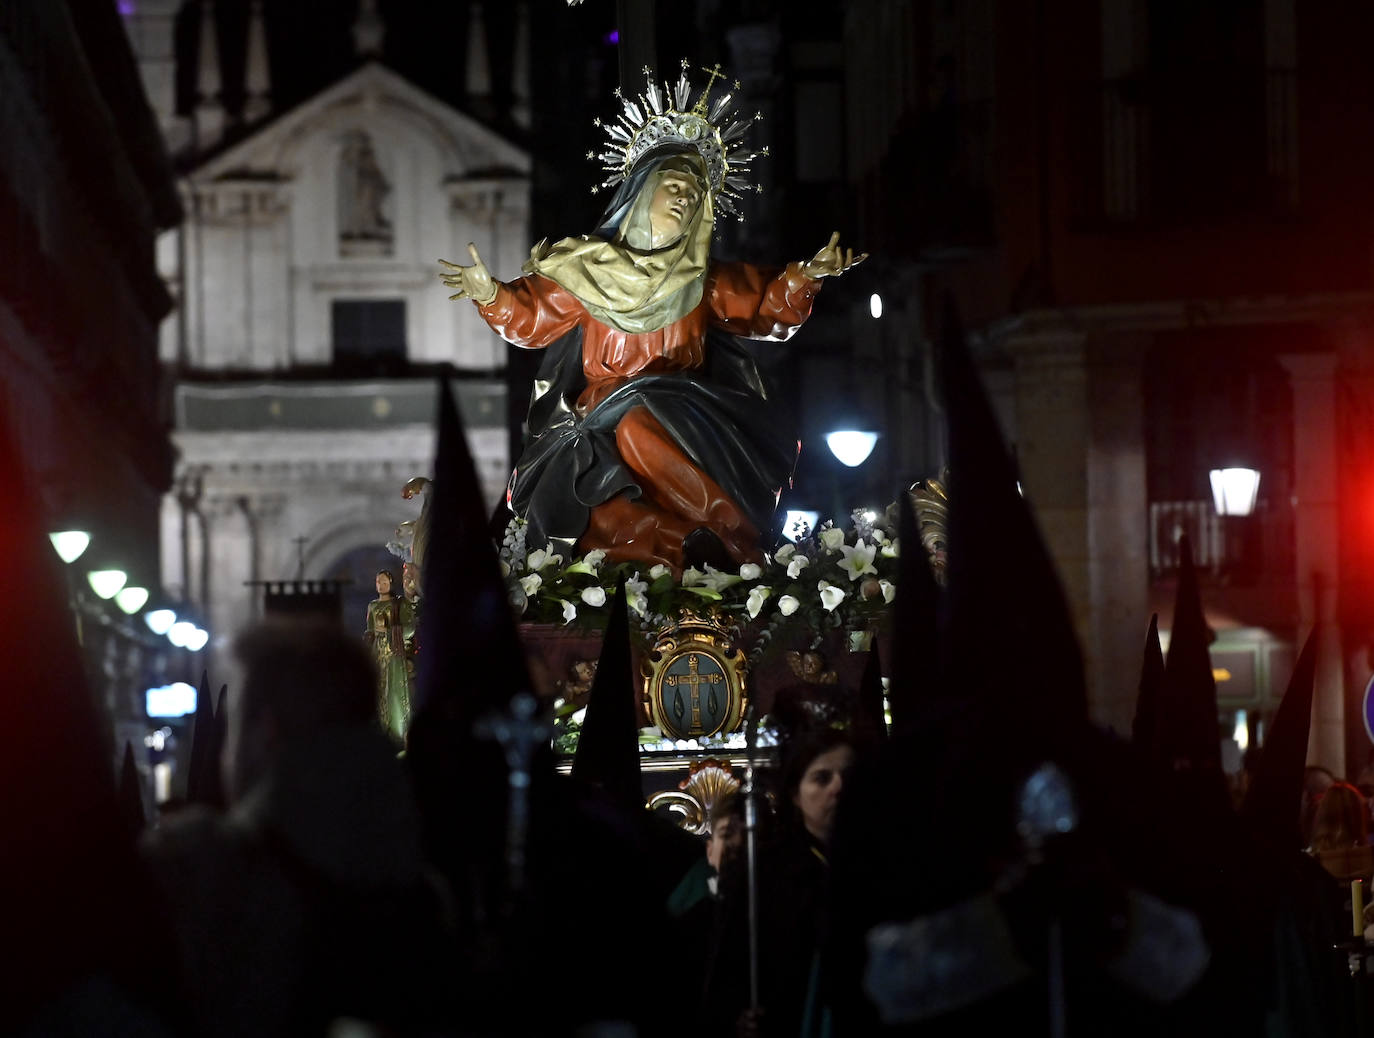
(658,117)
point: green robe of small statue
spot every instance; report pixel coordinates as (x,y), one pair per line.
(390,635)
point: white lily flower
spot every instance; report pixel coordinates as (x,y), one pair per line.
(831,596)
(784,553)
(657,571)
(578,716)
(531,583)
(750,571)
(893,549)
(715,579)
(889,590)
(569,611)
(691,577)
(798,564)
(542,559)
(788,604)
(878,536)
(594,558)
(594,596)
(858,560)
(831,539)
(757,597)
(636,598)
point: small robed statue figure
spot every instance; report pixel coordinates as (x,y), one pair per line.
(651,433)
(390,635)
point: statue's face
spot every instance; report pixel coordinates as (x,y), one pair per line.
(383,584)
(675,202)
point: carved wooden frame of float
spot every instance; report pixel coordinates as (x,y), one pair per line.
(695,662)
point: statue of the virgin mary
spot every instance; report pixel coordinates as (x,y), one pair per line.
(651,433)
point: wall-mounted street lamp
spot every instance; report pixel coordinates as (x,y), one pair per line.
(107,583)
(130,599)
(1235,490)
(851,446)
(70,544)
(160,621)
(186,635)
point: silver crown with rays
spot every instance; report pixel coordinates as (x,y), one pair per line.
(663,117)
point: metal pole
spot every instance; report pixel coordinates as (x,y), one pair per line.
(751,817)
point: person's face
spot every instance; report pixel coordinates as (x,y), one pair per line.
(818,794)
(725,841)
(674,204)
(383,584)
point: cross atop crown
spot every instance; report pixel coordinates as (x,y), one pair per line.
(715,74)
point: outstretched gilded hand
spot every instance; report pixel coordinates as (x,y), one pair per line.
(474,282)
(832,261)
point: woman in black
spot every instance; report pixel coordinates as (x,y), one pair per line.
(794,877)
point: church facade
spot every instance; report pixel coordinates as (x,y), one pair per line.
(311,331)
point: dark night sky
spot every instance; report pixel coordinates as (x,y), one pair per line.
(310,43)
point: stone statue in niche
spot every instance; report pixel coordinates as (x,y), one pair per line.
(364,227)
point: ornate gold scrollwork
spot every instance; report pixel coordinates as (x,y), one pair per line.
(707,784)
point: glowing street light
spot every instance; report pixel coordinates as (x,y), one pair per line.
(1235,490)
(180,633)
(197,639)
(70,544)
(799,522)
(160,621)
(106,583)
(131,599)
(851,446)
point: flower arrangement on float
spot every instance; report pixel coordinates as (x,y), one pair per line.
(825,579)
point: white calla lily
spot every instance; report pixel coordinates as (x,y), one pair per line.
(594,596)
(750,571)
(788,604)
(716,580)
(798,564)
(757,597)
(831,596)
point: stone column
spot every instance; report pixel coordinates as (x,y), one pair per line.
(1316,529)
(1080,448)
